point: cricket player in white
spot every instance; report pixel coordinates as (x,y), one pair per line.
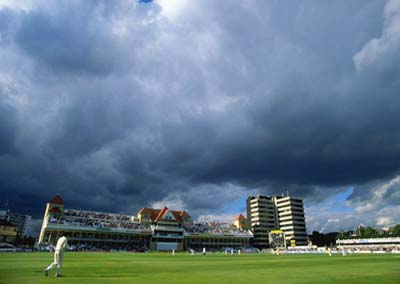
(62,244)
(328,251)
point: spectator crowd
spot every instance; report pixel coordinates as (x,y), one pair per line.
(98,220)
(215,228)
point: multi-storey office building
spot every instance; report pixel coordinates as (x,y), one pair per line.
(8,232)
(267,213)
(261,218)
(154,229)
(290,214)
(21,221)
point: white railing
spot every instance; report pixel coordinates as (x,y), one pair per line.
(167,228)
(394,240)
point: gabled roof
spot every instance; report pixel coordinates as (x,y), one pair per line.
(157,214)
(55,210)
(240,217)
(161,214)
(57,200)
(184,214)
(153,213)
(145,210)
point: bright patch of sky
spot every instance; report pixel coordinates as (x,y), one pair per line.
(237,207)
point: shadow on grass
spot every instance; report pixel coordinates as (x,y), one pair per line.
(97,275)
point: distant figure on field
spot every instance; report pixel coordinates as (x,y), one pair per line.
(328,251)
(62,244)
(344,252)
(204,251)
(173,252)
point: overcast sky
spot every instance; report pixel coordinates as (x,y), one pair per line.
(116,105)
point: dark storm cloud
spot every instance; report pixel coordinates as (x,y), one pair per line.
(318,141)
(8,125)
(123,105)
(78,39)
(65,41)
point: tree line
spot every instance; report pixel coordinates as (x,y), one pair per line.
(369,232)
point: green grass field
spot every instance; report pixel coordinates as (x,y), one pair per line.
(159,268)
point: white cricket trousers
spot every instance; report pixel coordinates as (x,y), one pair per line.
(58,261)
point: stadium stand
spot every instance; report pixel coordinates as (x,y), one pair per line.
(154,229)
(370,245)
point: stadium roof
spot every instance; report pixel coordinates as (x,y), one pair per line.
(57,200)
(240,217)
(161,213)
(184,214)
(158,214)
(145,210)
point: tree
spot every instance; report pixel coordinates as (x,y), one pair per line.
(396,231)
(369,232)
(343,235)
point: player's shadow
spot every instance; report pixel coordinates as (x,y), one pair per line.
(91,275)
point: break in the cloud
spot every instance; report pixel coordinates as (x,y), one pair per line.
(373,204)
(118,105)
(379,52)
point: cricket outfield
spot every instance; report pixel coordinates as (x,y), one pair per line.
(160,268)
